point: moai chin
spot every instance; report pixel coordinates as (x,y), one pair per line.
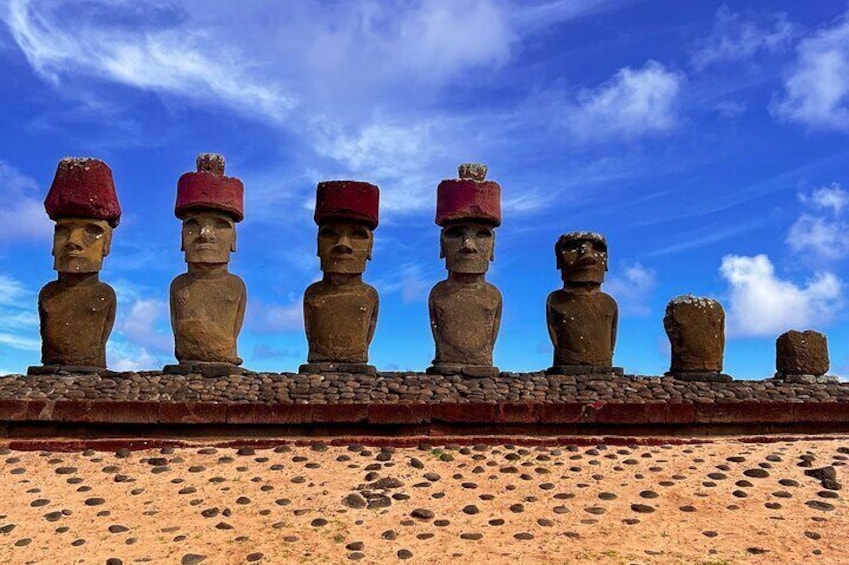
(77,311)
(581,318)
(465,310)
(802,357)
(696,330)
(208,302)
(340,310)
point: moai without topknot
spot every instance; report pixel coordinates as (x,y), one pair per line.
(340,310)
(77,311)
(465,310)
(802,357)
(582,319)
(208,302)
(696,330)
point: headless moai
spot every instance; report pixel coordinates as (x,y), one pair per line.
(208,302)
(802,357)
(77,311)
(582,320)
(465,310)
(340,310)
(696,330)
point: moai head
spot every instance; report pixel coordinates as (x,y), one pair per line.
(347,214)
(581,257)
(83,203)
(210,204)
(468,209)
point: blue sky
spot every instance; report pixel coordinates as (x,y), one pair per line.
(708,141)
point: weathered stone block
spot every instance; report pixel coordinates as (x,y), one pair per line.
(801,353)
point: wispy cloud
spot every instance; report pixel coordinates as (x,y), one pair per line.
(816,91)
(22,214)
(735,38)
(822,234)
(633,289)
(762,304)
(273,318)
(635,102)
(18,321)
(61,43)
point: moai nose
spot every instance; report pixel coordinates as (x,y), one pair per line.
(207,234)
(468,246)
(76,239)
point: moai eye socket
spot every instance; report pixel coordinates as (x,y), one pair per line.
(454,232)
(327,232)
(222,224)
(484,233)
(359,233)
(191,226)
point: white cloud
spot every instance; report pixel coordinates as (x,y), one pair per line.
(142,324)
(821,237)
(272,318)
(18,318)
(122,356)
(829,197)
(761,304)
(22,214)
(409,281)
(633,289)
(59,43)
(735,39)
(816,92)
(633,103)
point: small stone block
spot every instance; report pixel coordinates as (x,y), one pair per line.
(801,353)
(584,370)
(65,369)
(204,369)
(474,371)
(700,377)
(326,367)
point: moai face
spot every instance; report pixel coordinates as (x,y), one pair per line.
(467,247)
(344,246)
(582,260)
(208,237)
(80,244)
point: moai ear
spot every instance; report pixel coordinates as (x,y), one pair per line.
(442,244)
(107,241)
(492,254)
(370,244)
(233,243)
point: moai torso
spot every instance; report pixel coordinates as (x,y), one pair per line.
(696,330)
(76,321)
(340,320)
(465,319)
(207,315)
(582,326)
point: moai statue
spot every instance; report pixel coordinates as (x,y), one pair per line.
(802,357)
(582,319)
(208,302)
(77,311)
(465,310)
(696,330)
(340,310)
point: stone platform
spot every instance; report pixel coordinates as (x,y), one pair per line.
(262,405)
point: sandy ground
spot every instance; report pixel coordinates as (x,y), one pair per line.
(722,502)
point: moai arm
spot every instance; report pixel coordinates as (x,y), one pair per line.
(372,325)
(614,325)
(550,322)
(307,317)
(109,322)
(496,323)
(240,311)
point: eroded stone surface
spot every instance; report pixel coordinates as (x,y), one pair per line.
(465,309)
(77,311)
(340,311)
(582,320)
(801,353)
(208,302)
(695,327)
